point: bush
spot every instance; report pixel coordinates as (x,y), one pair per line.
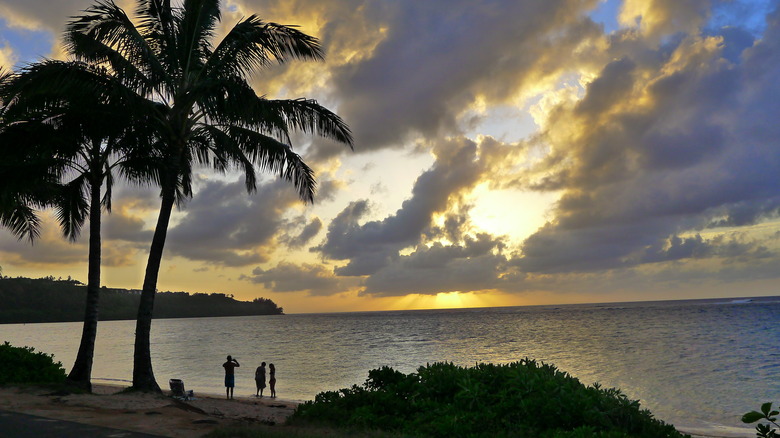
(24,365)
(763,430)
(521,399)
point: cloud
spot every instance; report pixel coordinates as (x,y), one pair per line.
(289,277)
(460,165)
(656,18)
(474,265)
(436,61)
(52,250)
(53,17)
(305,232)
(224,225)
(661,145)
(7,57)
(660,139)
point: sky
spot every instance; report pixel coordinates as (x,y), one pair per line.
(506,153)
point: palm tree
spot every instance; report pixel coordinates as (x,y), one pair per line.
(71,117)
(18,199)
(207,113)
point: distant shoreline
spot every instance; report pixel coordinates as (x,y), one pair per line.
(45,300)
(133,319)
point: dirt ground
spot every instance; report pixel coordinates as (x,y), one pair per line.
(149,413)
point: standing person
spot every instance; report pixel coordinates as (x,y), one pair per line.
(230,379)
(272,379)
(260,379)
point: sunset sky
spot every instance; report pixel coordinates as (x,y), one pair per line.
(506,153)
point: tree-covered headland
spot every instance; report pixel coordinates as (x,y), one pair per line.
(28,300)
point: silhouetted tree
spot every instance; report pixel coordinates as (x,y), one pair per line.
(208,114)
(68,127)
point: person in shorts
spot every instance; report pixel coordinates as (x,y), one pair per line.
(230,378)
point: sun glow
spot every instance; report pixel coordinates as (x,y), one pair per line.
(517,219)
(449,300)
(446,300)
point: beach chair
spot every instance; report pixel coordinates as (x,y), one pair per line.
(178,391)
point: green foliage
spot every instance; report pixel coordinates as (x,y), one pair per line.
(521,399)
(26,300)
(292,432)
(764,430)
(24,365)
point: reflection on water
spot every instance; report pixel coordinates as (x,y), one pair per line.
(689,362)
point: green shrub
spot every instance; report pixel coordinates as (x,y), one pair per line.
(24,365)
(521,399)
(763,430)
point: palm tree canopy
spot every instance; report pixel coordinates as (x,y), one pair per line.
(65,126)
(207,112)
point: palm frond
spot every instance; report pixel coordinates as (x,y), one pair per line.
(72,206)
(156,16)
(276,157)
(195,31)
(227,153)
(232,101)
(21,220)
(308,116)
(105,34)
(253,43)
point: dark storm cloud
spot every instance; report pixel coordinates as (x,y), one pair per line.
(224,225)
(669,143)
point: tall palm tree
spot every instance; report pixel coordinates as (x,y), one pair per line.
(73,123)
(208,114)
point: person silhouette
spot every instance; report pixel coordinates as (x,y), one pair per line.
(272,379)
(260,379)
(230,379)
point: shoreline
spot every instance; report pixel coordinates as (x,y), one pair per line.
(157,414)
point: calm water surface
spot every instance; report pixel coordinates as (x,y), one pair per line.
(697,364)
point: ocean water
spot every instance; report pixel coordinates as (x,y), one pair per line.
(698,364)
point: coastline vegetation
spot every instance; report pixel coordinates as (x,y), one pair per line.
(28,300)
(25,365)
(520,399)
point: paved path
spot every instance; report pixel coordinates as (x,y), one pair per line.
(15,425)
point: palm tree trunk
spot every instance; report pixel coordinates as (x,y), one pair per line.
(81,373)
(143,375)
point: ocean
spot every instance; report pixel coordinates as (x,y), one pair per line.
(698,364)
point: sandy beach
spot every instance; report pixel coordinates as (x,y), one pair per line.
(147,413)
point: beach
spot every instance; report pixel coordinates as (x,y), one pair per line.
(157,414)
